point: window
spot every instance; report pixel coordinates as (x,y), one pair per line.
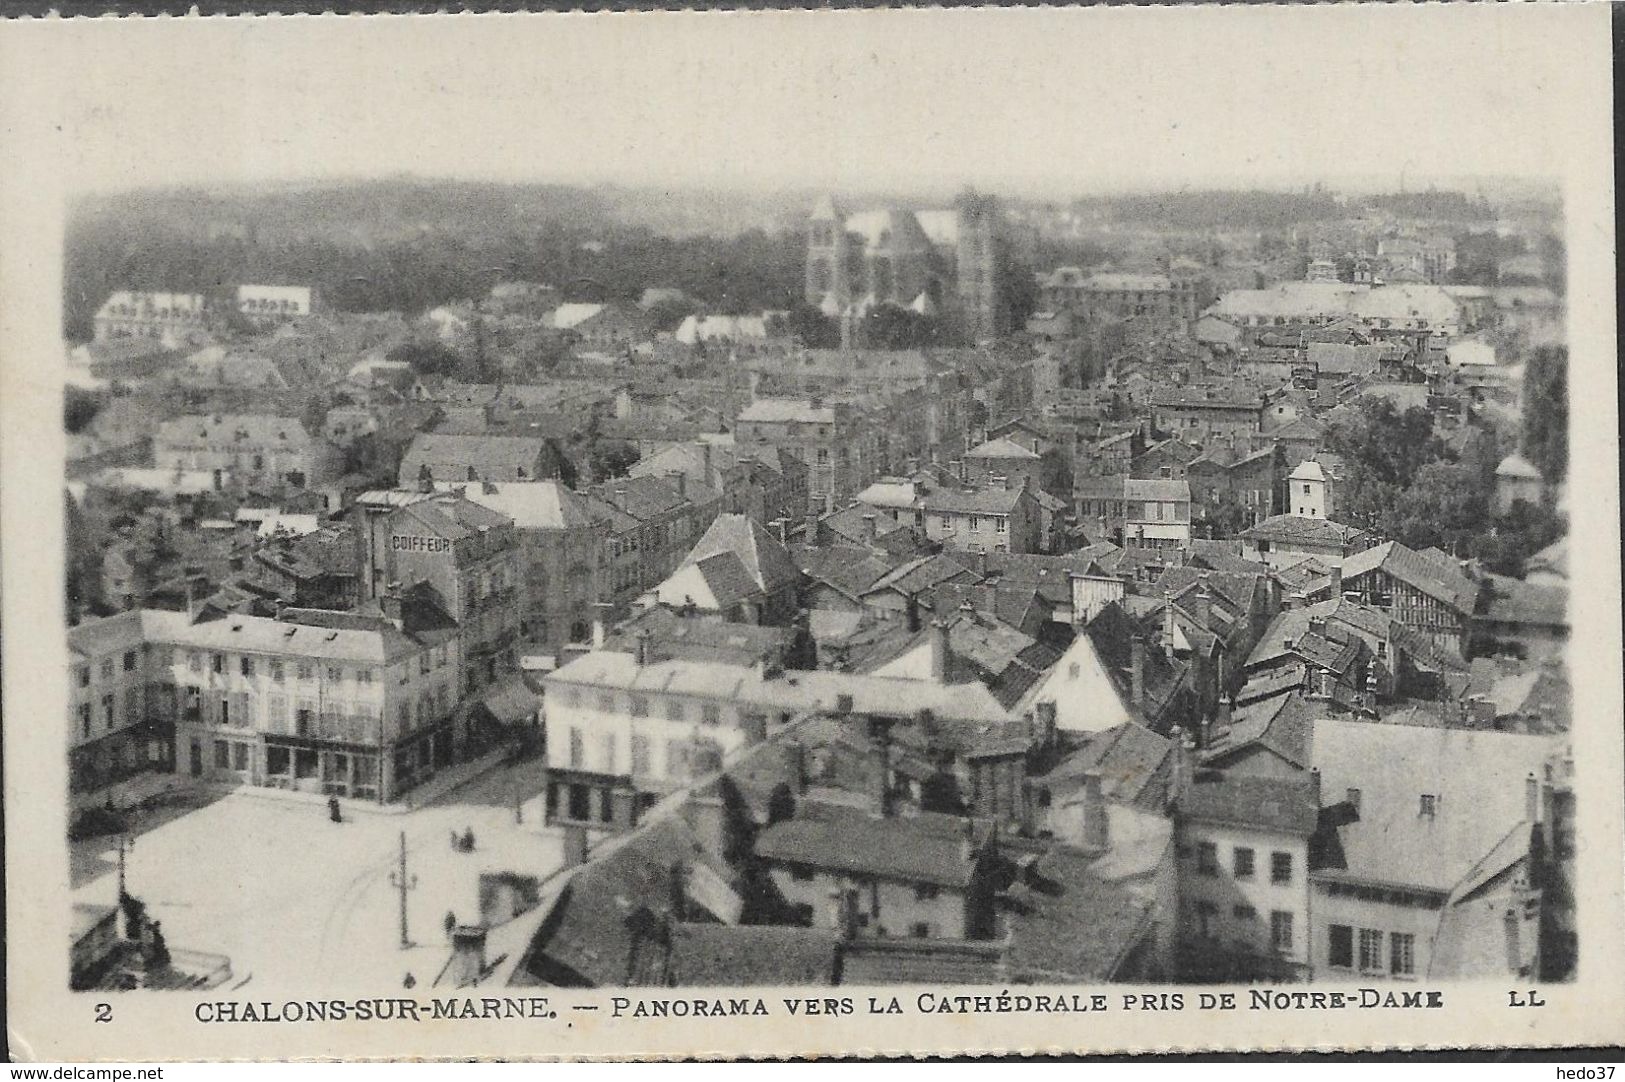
(246,666)
(1402,954)
(129,661)
(1352,796)
(639,706)
(1207,858)
(83,673)
(1244,862)
(998,524)
(217,662)
(925,892)
(307,671)
(1370,949)
(239,756)
(363,676)
(640,755)
(107,710)
(606,702)
(1280,867)
(1340,946)
(1430,804)
(1306,490)
(577,754)
(277,672)
(84,721)
(674,710)
(222,755)
(1244,912)
(801,873)
(1281,930)
(975,522)
(920,930)
(1205,912)
(711,714)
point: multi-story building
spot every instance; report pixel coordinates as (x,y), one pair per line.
(1250,479)
(1425,591)
(561,546)
(112,735)
(624,729)
(1003,459)
(266,306)
(1002,517)
(1201,413)
(173,319)
(830,437)
(249,448)
(1069,289)
(322,702)
(1156,513)
(1244,876)
(1284,540)
(748,485)
(467,553)
(1442,846)
(652,524)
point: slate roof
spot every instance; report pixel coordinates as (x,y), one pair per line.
(1282,723)
(488,454)
(1130,759)
(1135,488)
(765,562)
(1266,803)
(647,498)
(1436,576)
(675,637)
(991,500)
(1478,780)
(246,429)
(921,574)
(533,505)
(1235,588)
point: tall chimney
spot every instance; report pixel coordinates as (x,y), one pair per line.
(809,535)
(575,845)
(1314,784)
(1168,624)
(600,623)
(939,651)
(869,528)
(1096,827)
(1137,669)
(1204,599)
(967,841)
(1531,798)
(680,479)
(467,954)
(642,650)
(1337,582)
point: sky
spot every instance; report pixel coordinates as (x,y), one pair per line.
(1032,102)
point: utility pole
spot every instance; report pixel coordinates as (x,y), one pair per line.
(403,883)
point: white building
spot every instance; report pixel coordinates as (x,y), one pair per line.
(1309,491)
(266,306)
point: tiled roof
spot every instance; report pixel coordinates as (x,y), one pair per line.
(915,850)
(1129,758)
(993,500)
(247,429)
(1068,924)
(1001,448)
(763,558)
(922,574)
(676,637)
(1303,530)
(1154,489)
(752,955)
(851,571)
(648,498)
(533,505)
(1435,576)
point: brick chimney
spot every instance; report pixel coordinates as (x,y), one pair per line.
(1168,624)
(1137,669)
(1096,826)
(467,954)
(575,845)
(641,651)
(1531,798)
(869,527)
(939,651)
(1337,582)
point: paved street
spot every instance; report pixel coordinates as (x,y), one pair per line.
(299,903)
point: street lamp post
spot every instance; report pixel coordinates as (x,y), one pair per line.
(403,883)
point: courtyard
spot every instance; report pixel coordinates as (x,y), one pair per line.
(300,903)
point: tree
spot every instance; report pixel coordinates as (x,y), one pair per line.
(427,358)
(668,313)
(1221,518)
(813,327)
(1546,411)
(888,326)
(1055,474)
(611,458)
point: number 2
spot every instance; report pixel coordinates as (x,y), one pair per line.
(104,1012)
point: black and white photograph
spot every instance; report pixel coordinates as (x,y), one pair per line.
(669,507)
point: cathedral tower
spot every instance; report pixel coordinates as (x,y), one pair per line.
(827,257)
(981,266)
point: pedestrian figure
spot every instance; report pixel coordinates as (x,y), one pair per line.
(468,839)
(333,811)
(451,924)
(410,981)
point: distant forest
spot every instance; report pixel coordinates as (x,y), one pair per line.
(408,246)
(1204,210)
